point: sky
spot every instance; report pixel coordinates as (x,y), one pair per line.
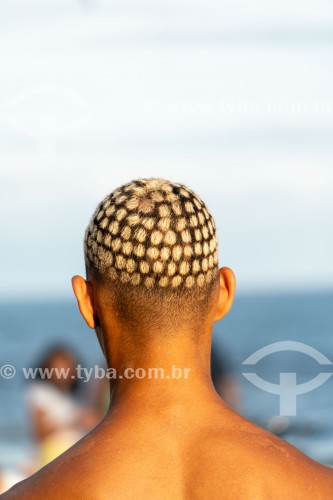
(234,99)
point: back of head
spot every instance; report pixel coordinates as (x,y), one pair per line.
(152,245)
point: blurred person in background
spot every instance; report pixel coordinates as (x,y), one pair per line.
(223,378)
(99,393)
(58,419)
(10,477)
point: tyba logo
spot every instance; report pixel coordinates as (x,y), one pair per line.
(287,389)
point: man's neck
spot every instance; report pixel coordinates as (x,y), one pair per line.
(170,373)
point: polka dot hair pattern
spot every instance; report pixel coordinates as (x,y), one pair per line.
(154,233)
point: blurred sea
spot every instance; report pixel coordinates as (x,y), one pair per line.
(254,322)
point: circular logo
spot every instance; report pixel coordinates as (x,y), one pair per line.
(7,371)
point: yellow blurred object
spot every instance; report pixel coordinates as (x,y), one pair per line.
(56,444)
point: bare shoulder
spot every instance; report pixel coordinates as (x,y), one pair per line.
(61,478)
(123,465)
(247,460)
(226,458)
(287,472)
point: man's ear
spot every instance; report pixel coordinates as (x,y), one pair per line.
(226,293)
(84,293)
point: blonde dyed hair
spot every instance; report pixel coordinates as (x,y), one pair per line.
(152,234)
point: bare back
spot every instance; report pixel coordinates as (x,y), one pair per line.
(209,454)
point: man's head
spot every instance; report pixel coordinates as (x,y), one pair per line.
(151,258)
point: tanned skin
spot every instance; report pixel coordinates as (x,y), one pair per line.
(172,439)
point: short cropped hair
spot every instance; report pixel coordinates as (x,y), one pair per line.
(152,234)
